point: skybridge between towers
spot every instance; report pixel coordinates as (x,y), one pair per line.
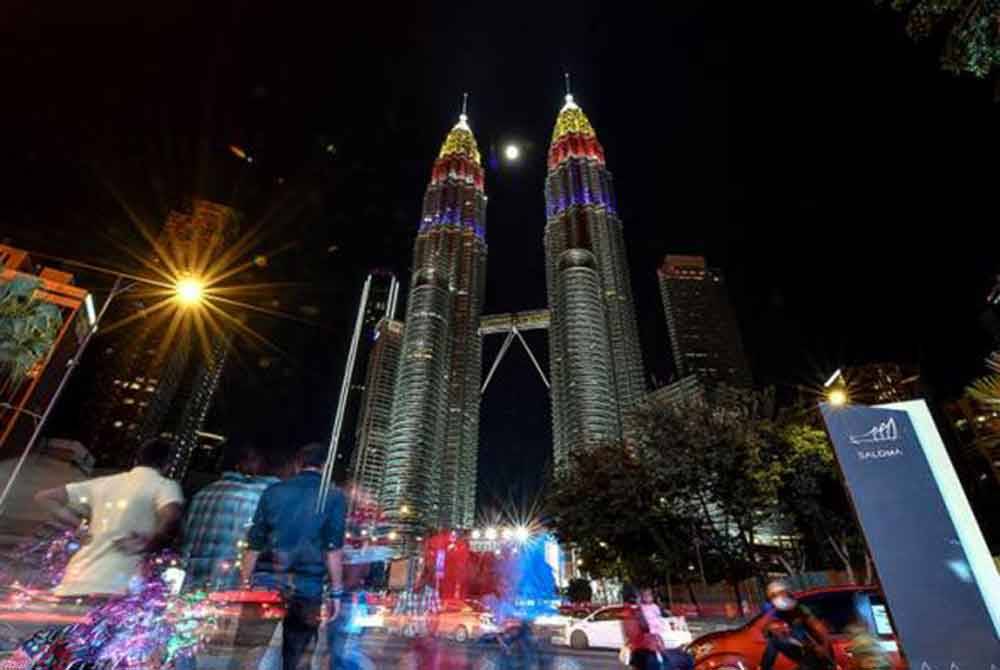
(513,324)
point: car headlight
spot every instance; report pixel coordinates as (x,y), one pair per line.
(701,650)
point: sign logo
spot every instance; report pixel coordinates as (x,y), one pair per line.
(883,432)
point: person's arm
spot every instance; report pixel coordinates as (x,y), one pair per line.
(57,502)
(334,527)
(257,539)
(247,565)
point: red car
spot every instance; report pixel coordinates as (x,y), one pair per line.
(836,606)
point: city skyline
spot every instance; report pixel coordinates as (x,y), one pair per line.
(720,154)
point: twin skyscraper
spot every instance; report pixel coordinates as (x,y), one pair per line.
(431,438)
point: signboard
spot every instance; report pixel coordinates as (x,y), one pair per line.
(938,576)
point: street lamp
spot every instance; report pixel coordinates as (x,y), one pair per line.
(837,397)
(189,291)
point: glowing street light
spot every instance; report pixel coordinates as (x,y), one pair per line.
(189,291)
(491,533)
(476,534)
(522,534)
(512,152)
(837,397)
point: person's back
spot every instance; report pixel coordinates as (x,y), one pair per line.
(292,536)
(119,506)
(297,547)
(216,525)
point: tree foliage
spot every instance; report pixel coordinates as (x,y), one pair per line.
(28,327)
(970,28)
(699,483)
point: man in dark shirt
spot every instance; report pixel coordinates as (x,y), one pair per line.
(298,548)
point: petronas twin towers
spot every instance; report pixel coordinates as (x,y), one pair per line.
(429,480)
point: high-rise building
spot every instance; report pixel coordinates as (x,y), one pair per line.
(704,334)
(430,468)
(372,435)
(378,302)
(595,361)
(159,376)
(24,400)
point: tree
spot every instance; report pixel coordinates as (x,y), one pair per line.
(812,496)
(28,327)
(970,28)
(604,503)
(716,454)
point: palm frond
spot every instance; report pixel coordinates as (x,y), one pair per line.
(986,390)
(28,327)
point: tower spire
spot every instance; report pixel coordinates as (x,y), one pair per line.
(465,104)
(570,103)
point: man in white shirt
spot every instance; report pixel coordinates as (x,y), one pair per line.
(126,516)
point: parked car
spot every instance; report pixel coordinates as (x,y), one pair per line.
(836,607)
(603,629)
(465,619)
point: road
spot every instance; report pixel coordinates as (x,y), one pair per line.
(383,652)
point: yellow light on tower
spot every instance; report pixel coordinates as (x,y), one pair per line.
(837,397)
(189,291)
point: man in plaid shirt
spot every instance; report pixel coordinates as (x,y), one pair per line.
(217,523)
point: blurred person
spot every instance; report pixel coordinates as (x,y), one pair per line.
(121,517)
(294,549)
(865,651)
(795,633)
(643,646)
(419,608)
(218,520)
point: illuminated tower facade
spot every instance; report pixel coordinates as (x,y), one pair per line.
(595,360)
(374,419)
(430,467)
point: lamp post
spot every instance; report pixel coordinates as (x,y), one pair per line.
(188,291)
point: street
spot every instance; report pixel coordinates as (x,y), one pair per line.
(377,650)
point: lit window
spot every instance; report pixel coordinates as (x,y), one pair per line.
(129,401)
(150,389)
(118,424)
(134,386)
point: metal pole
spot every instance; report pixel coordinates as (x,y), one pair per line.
(71,365)
(532,357)
(345,389)
(503,350)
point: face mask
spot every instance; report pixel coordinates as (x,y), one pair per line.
(783,603)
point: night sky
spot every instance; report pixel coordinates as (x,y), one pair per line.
(823,160)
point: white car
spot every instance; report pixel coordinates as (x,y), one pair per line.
(603,629)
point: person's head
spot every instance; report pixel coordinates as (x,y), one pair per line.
(155,453)
(251,461)
(646,596)
(779,596)
(313,456)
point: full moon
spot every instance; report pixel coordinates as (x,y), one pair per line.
(512,152)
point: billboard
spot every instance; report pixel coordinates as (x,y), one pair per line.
(939,579)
